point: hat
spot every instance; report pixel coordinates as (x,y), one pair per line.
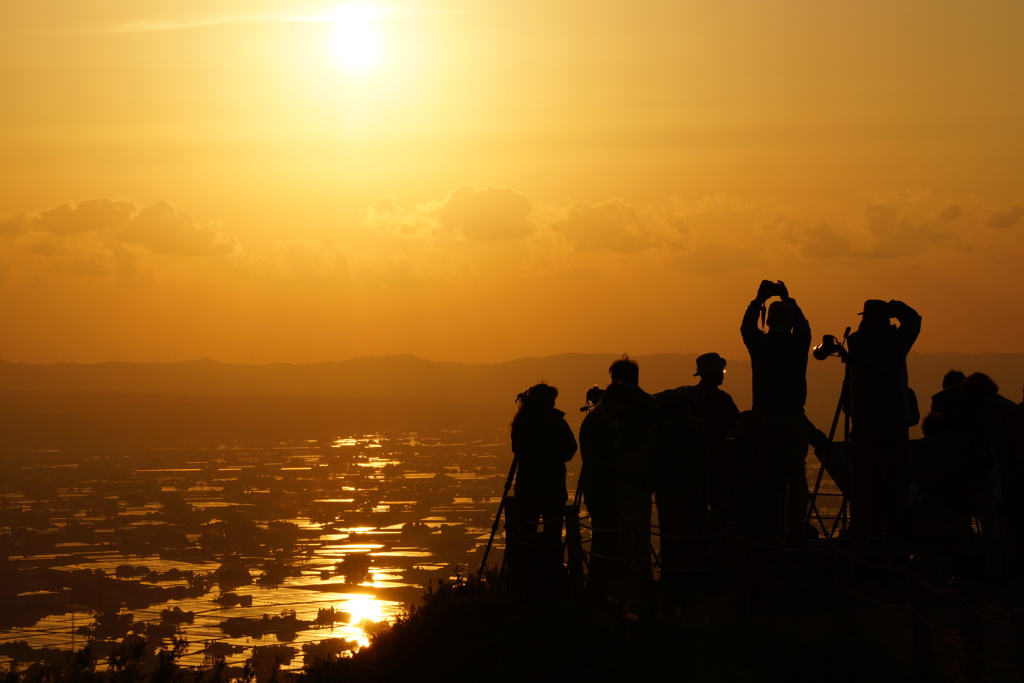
(876,308)
(709,362)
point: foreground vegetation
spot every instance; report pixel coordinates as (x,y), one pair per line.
(481,629)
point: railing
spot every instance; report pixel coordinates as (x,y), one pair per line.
(967,625)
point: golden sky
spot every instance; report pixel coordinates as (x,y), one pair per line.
(263,181)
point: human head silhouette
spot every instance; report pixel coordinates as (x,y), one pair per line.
(953,378)
(710,369)
(978,385)
(625,371)
(538,397)
(780,317)
(875,310)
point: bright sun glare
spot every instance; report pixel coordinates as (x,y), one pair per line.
(365,608)
(355,42)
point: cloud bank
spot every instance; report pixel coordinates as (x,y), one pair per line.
(160,228)
(477,234)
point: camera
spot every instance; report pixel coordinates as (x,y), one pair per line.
(829,346)
(768,289)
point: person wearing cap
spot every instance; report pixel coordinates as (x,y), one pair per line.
(778,364)
(716,409)
(880,413)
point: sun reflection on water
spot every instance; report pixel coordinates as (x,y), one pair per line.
(387,504)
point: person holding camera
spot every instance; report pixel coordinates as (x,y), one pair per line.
(881,415)
(542,442)
(778,363)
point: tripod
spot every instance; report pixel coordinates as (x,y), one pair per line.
(838,468)
(497,517)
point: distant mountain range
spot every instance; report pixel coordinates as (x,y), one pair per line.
(205,402)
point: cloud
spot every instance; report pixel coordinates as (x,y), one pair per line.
(896,234)
(388,217)
(160,228)
(15,225)
(329,13)
(890,230)
(487,214)
(494,214)
(39,257)
(91,215)
(721,257)
(949,215)
(185,24)
(1006,218)
(814,242)
(824,242)
(725,229)
(315,261)
(619,227)
(164,230)
(714,203)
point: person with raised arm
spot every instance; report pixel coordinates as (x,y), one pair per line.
(778,363)
(882,409)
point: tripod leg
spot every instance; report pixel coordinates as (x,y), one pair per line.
(497,517)
(812,508)
(577,498)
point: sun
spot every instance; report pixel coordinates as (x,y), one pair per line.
(355,41)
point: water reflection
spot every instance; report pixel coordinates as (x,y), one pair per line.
(357,525)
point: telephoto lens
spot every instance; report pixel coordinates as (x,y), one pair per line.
(829,345)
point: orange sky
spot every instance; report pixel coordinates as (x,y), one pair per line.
(210,179)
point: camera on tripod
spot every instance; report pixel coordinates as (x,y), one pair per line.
(831,346)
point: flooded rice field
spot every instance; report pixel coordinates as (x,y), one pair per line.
(292,550)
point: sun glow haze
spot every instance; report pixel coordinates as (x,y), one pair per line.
(479,181)
(356,43)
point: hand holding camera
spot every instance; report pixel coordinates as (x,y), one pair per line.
(768,289)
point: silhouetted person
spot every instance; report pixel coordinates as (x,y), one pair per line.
(604,481)
(950,478)
(950,403)
(542,442)
(949,467)
(753,484)
(634,417)
(716,409)
(625,371)
(1016,467)
(675,457)
(598,467)
(778,363)
(881,417)
(990,419)
(989,414)
(594,395)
